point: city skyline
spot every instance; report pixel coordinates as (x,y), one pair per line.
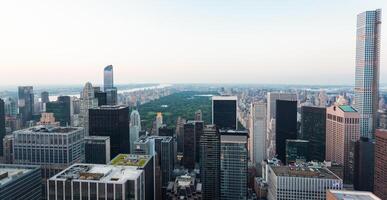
(192,42)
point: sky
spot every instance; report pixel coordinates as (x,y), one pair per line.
(198,41)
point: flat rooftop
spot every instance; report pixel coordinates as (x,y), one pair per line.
(233,98)
(304,172)
(8,173)
(131,160)
(49,129)
(99,173)
(353,195)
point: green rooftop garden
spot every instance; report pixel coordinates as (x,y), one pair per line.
(126,160)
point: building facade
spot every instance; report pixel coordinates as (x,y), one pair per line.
(297,151)
(380,174)
(26,103)
(367,70)
(364,165)
(134,126)
(2,125)
(233,164)
(224,112)
(88,101)
(189,154)
(313,125)
(258,133)
(61,109)
(97,149)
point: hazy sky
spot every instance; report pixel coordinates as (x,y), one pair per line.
(175,41)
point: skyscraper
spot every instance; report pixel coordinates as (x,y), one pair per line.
(2,125)
(380,181)
(285,126)
(233,164)
(313,125)
(112,121)
(224,112)
(44,97)
(296,151)
(88,101)
(159,121)
(61,109)
(367,70)
(258,130)
(364,165)
(189,154)
(108,77)
(342,130)
(134,126)
(210,163)
(97,149)
(26,103)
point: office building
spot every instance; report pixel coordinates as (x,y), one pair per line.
(350,195)
(258,133)
(297,151)
(8,149)
(93,181)
(108,77)
(111,96)
(189,154)
(48,119)
(20,182)
(145,163)
(2,125)
(100,96)
(134,126)
(97,149)
(184,187)
(224,112)
(210,163)
(364,165)
(300,182)
(61,109)
(26,103)
(44,97)
(198,115)
(285,126)
(10,107)
(164,148)
(380,173)
(313,125)
(233,164)
(111,121)
(165,131)
(88,101)
(158,122)
(342,129)
(367,70)
(144,146)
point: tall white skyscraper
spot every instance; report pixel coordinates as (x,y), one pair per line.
(87,101)
(259,131)
(108,77)
(367,70)
(135,126)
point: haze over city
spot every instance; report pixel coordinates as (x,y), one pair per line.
(273,42)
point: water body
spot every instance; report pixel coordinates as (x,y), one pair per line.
(78,95)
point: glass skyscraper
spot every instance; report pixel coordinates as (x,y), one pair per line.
(367,70)
(108,77)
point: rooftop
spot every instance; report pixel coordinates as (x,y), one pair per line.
(8,173)
(97,138)
(347,108)
(110,107)
(353,195)
(49,129)
(234,98)
(99,173)
(130,160)
(303,171)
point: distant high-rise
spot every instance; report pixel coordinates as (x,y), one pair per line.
(233,164)
(224,112)
(180,134)
(111,96)
(2,125)
(367,70)
(108,77)
(159,121)
(285,126)
(101,96)
(210,163)
(313,125)
(112,121)
(258,132)
(134,126)
(44,97)
(11,107)
(61,109)
(342,129)
(198,115)
(364,165)
(88,101)
(26,103)
(380,181)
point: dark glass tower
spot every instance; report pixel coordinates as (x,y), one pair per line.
(199,126)
(97,149)
(61,109)
(189,154)
(296,151)
(26,103)
(224,112)
(101,96)
(210,163)
(112,121)
(313,125)
(364,165)
(286,125)
(2,125)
